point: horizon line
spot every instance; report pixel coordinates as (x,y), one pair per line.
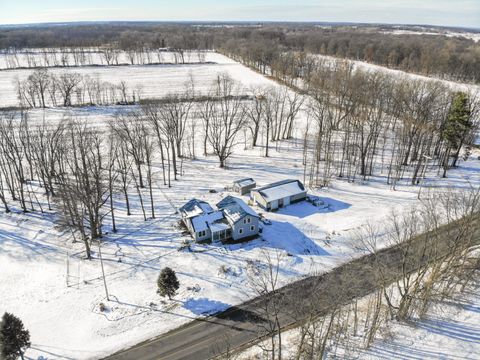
(249,22)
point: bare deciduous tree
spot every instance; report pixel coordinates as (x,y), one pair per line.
(228,118)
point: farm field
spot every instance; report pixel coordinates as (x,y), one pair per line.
(58,294)
(467,35)
(400,74)
(151,81)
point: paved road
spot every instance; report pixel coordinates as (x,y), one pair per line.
(242,325)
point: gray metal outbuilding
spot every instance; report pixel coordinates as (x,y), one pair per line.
(279,194)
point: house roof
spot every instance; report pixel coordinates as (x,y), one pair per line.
(205,221)
(195,207)
(244,182)
(281,189)
(219,225)
(235,209)
(202,216)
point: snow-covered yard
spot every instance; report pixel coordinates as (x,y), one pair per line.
(46,283)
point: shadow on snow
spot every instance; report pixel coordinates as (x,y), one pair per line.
(305,209)
(282,236)
(204,306)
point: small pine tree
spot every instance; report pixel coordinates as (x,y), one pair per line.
(167,283)
(14,338)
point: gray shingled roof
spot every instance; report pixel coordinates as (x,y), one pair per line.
(235,209)
(204,221)
(195,207)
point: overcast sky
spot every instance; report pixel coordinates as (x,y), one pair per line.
(434,12)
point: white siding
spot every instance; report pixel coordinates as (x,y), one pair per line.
(207,236)
(274,205)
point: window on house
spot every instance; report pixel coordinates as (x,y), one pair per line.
(244,221)
(252,228)
(202,233)
(240,231)
(249,220)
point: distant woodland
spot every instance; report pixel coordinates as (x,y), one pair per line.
(453,58)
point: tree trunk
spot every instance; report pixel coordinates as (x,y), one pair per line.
(174,160)
(87,248)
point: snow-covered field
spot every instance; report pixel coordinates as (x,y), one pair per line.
(400,74)
(46,283)
(467,35)
(153,81)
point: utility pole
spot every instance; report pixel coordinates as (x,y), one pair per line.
(68,269)
(103,270)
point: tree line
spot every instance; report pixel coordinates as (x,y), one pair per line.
(365,124)
(452,58)
(442,56)
(43,88)
(123,36)
(106,55)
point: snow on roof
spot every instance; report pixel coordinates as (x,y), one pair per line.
(195,207)
(219,226)
(202,216)
(245,182)
(205,221)
(281,189)
(235,209)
